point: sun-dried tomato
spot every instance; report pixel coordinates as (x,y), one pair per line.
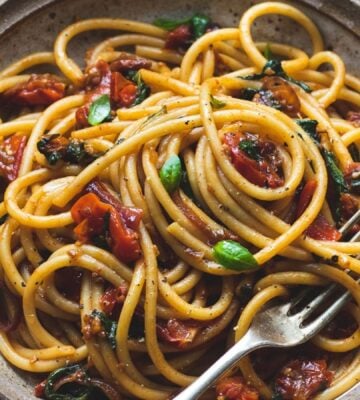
(262,171)
(301,379)
(283,92)
(39,90)
(179,38)
(178,333)
(235,388)
(112,297)
(129,62)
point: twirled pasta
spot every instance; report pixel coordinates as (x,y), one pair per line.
(197,100)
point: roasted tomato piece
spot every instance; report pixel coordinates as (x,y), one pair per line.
(235,388)
(341,327)
(129,62)
(301,379)
(68,282)
(349,205)
(179,38)
(320,229)
(283,92)
(178,333)
(123,91)
(112,297)
(11,152)
(39,90)
(261,165)
(103,224)
(354,118)
(305,197)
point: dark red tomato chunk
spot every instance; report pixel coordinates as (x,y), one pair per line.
(39,389)
(178,333)
(284,93)
(68,282)
(39,90)
(302,379)
(235,388)
(180,38)
(101,223)
(131,215)
(11,152)
(129,62)
(305,197)
(262,171)
(100,80)
(341,327)
(321,229)
(354,118)
(112,297)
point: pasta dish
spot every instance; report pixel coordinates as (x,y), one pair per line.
(155,199)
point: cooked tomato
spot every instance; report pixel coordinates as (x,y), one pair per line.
(176,332)
(39,389)
(283,92)
(341,327)
(102,223)
(305,197)
(301,379)
(123,91)
(179,38)
(129,62)
(11,152)
(112,297)
(68,282)
(39,90)
(262,171)
(349,205)
(235,388)
(320,229)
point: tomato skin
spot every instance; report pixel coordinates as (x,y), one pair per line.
(90,214)
(301,379)
(112,297)
(320,229)
(39,389)
(306,196)
(260,172)
(178,333)
(11,153)
(39,90)
(235,388)
(179,38)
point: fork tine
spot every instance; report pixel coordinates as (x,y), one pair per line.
(316,302)
(349,224)
(316,325)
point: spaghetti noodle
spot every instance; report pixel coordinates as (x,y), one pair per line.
(157,200)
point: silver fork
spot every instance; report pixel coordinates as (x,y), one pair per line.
(275,326)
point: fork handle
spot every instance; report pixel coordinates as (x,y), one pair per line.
(245,345)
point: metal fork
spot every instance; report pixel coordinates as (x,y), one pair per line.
(275,326)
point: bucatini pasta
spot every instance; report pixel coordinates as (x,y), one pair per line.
(155,200)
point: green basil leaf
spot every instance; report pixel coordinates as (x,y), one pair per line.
(267,52)
(335,172)
(309,126)
(233,255)
(109,326)
(199,24)
(171,173)
(250,148)
(100,110)
(274,67)
(143,90)
(248,93)
(171,24)
(216,103)
(81,392)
